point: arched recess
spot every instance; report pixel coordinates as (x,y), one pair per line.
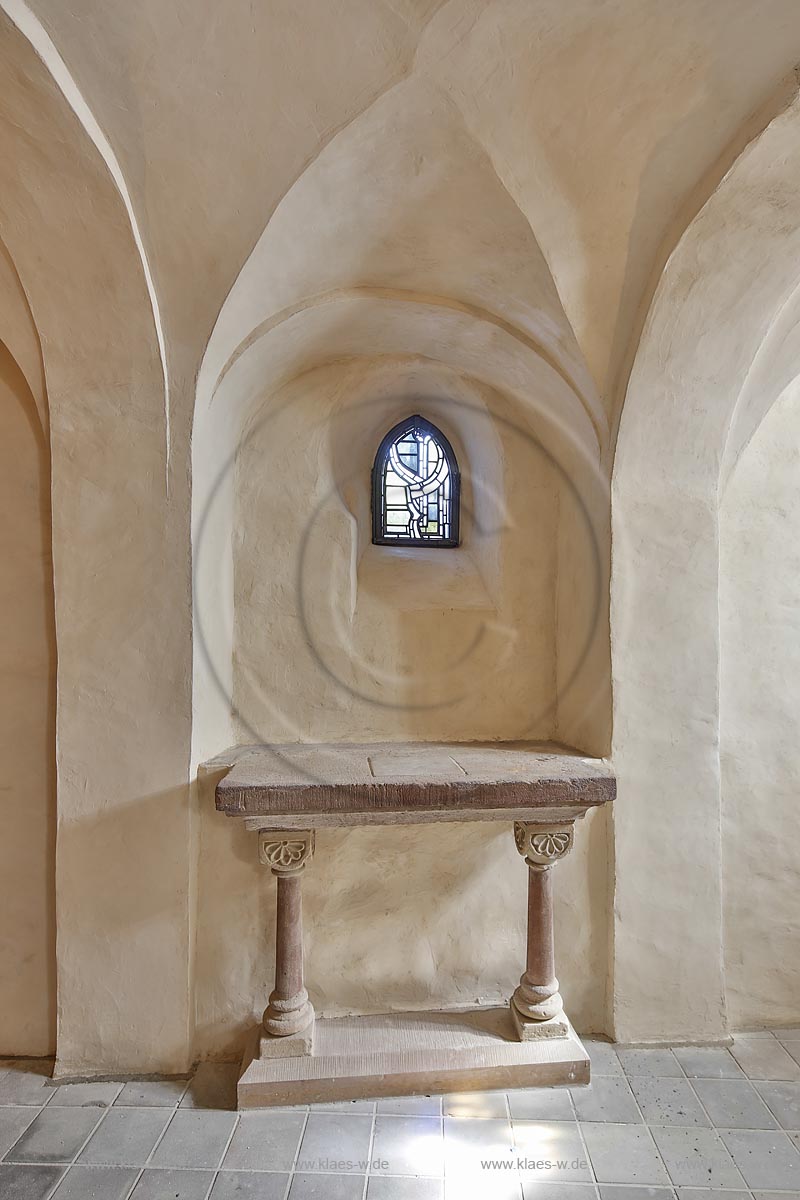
(357,307)
(27,715)
(719,297)
(121,584)
(319,390)
(760,719)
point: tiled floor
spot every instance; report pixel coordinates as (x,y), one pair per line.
(653,1123)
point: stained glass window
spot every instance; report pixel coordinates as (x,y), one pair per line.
(415,487)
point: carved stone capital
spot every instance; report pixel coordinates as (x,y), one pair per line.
(543,845)
(284,851)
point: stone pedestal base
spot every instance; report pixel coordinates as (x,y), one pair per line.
(412,1054)
(293,1045)
(529,1031)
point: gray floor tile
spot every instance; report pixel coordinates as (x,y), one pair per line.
(125,1138)
(555,1142)
(26,1083)
(194,1138)
(327,1187)
(265,1141)
(766,1158)
(541,1104)
(160,1093)
(28,1183)
(733,1104)
(96,1183)
(696,1158)
(618,1191)
(775,1196)
(469,1141)
(762,1058)
(783,1100)
(662,1063)
(606,1099)
(475,1104)
(707,1062)
(790,1034)
(55,1136)
(388,1187)
(624,1154)
(173,1185)
(85,1095)
(668,1101)
(489,1186)
(249,1185)
(537,1189)
(411,1106)
(602,1056)
(408,1146)
(712,1194)
(351,1106)
(13,1123)
(335,1142)
(213,1086)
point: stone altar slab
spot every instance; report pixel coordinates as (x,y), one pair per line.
(389,783)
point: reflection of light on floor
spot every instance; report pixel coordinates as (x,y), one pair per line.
(480,1162)
(557,1144)
(424,1151)
(486,1185)
(537,1141)
(475,1104)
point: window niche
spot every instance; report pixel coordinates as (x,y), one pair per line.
(416,487)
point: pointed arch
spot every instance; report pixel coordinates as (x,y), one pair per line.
(416,486)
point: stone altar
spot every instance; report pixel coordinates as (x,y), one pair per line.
(284,793)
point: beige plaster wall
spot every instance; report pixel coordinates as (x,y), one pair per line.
(760,722)
(27,725)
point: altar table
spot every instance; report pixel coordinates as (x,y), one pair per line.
(284,793)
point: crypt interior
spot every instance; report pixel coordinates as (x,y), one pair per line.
(420,377)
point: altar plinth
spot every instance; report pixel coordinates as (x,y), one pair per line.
(285,793)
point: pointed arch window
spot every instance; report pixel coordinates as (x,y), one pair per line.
(415,487)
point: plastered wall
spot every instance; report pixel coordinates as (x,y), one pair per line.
(27,725)
(760,722)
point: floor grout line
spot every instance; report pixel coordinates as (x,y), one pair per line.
(290,1178)
(369,1151)
(155,1146)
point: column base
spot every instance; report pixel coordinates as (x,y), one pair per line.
(284,1018)
(292,1045)
(530,1031)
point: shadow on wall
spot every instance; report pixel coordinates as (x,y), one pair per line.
(27,724)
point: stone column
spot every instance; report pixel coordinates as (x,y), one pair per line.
(536,1005)
(288,1017)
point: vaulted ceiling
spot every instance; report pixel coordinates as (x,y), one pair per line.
(523,163)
